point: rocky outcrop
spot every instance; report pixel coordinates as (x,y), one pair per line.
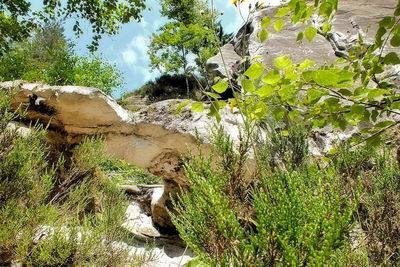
(353,17)
(153,137)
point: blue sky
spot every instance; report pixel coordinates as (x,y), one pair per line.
(128,49)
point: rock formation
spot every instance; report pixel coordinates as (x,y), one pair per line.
(152,138)
(353,17)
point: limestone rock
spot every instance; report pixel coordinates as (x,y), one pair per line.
(130,189)
(353,17)
(231,59)
(19,128)
(75,110)
(153,137)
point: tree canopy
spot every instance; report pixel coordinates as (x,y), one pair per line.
(17,20)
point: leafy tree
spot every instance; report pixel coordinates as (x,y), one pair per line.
(357,90)
(189,32)
(17,19)
(49,57)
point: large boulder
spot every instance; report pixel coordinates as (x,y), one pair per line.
(154,137)
(352,18)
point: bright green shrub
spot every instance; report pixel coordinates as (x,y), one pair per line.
(296,215)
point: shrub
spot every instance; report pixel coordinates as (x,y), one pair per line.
(170,87)
(292,216)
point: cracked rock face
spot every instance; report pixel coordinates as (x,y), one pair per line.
(353,17)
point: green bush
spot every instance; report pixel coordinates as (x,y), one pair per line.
(55,62)
(291,216)
(170,87)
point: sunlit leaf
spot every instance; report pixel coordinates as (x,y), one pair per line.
(265,91)
(282,12)
(263,35)
(197,107)
(213,95)
(220,86)
(310,33)
(278,25)
(255,70)
(282,62)
(272,77)
(265,22)
(248,85)
(213,112)
(181,106)
(306,64)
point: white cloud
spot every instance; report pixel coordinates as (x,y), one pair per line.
(157,24)
(134,56)
(129,57)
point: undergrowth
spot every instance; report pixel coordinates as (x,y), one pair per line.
(290,210)
(58,211)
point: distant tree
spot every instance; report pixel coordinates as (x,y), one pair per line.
(49,57)
(17,19)
(189,33)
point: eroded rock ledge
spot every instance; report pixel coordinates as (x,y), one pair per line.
(152,137)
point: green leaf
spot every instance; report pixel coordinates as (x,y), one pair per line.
(345,92)
(248,85)
(395,41)
(213,95)
(282,62)
(325,159)
(374,141)
(326,77)
(278,25)
(306,64)
(387,22)
(220,86)
(213,112)
(326,9)
(395,105)
(391,59)
(266,91)
(332,101)
(326,28)
(272,77)
(357,110)
(294,114)
(197,107)
(300,36)
(383,124)
(221,104)
(282,12)
(310,33)
(265,22)
(333,151)
(374,115)
(278,114)
(255,70)
(374,93)
(181,106)
(263,35)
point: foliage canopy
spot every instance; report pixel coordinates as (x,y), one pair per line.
(17,20)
